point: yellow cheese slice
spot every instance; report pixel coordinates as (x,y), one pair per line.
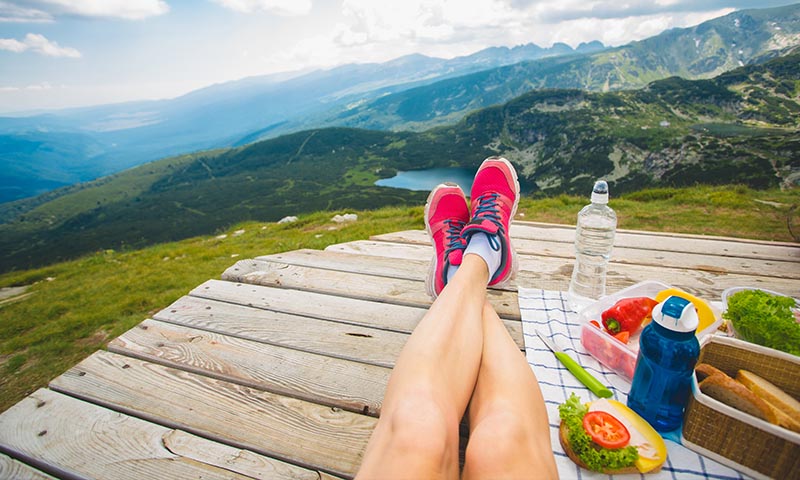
(704,312)
(651,447)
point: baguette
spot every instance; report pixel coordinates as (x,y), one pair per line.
(563,435)
(704,370)
(732,393)
(785,406)
(770,393)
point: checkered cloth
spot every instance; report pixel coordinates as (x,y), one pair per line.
(549,312)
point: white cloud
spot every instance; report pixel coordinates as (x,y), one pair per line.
(12,13)
(39,86)
(34,87)
(12,45)
(39,44)
(278,7)
(618,31)
(418,20)
(125,9)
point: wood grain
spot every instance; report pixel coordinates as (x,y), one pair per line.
(553,273)
(297,431)
(707,255)
(666,241)
(381,266)
(13,469)
(353,285)
(346,384)
(352,311)
(367,345)
(73,438)
(399,318)
(234,459)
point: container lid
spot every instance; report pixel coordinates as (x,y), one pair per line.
(600,192)
(676,314)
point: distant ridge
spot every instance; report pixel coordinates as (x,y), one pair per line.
(742,127)
(409,93)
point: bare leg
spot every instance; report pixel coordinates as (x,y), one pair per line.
(431,385)
(510,436)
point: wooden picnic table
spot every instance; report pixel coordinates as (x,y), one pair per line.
(277,370)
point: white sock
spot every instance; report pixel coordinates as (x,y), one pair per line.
(451,272)
(488,248)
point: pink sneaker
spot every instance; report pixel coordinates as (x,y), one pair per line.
(445,215)
(494,197)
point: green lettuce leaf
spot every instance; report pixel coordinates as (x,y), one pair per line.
(595,457)
(765,319)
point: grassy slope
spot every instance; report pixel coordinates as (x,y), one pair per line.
(76,307)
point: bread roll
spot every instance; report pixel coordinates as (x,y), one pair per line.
(704,370)
(788,407)
(732,393)
(563,432)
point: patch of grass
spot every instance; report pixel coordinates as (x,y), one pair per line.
(733,211)
(77,306)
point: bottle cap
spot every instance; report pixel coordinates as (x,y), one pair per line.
(676,314)
(600,192)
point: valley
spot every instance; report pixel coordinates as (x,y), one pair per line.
(738,128)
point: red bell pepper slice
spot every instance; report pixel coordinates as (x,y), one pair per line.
(628,315)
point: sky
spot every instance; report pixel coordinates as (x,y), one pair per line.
(66,53)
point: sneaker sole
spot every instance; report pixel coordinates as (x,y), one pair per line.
(514,259)
(430,279)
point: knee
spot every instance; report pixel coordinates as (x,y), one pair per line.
(499,439)
(504,446)
(420,427)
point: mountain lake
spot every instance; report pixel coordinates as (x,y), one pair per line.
(427,179)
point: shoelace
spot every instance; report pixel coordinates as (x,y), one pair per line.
(488,209)
(453,235)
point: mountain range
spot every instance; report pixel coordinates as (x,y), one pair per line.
(46,151)
(43,152)
(740,127)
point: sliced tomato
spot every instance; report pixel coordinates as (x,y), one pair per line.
(605,430)
(623,337)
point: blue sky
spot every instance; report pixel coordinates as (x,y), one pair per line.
(64,53)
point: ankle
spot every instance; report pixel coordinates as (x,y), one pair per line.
(475,267)
(488,248)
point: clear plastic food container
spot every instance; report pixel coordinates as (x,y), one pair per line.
(620,357)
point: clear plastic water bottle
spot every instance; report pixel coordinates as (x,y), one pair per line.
(594,239)
(668,352)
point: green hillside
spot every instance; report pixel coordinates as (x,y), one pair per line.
(71,309)
(741,127)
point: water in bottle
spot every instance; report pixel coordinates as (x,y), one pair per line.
(594,239)
(668,352)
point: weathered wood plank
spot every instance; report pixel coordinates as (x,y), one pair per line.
(712,260)
(353,285)
(398,318)
(346,384)
(301,432)
(235,459)
(381,266)
(75,439)
(679,242)
(383,248)
(554,273)
(650,241)
(368,345)
(13,469)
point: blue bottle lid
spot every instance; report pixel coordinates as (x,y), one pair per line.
(600,192)
(676,314)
